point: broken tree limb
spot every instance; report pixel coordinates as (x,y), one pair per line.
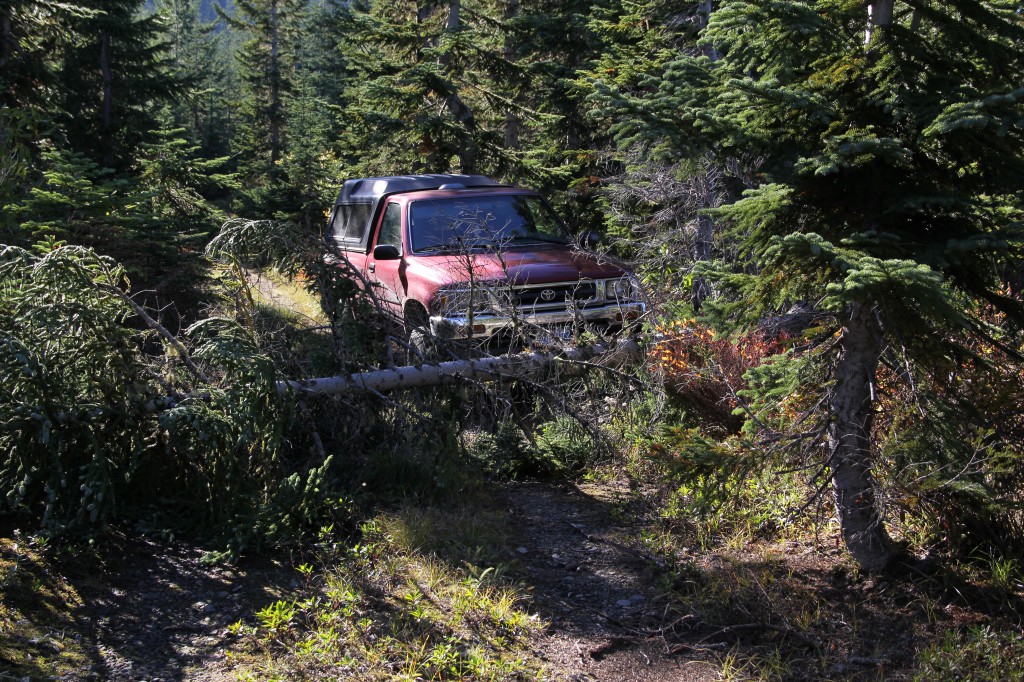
(159,329)
(477,369)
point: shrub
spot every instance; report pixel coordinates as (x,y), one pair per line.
(100,421)
(705,371)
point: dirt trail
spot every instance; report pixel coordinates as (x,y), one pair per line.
(159,613)
(154,611)
(590,577)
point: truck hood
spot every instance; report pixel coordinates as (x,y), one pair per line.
(535,266)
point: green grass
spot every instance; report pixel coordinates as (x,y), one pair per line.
(289,296)
(978,654)
(421,597)
(37,626)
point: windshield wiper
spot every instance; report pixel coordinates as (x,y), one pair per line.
(542,238)
(436,248)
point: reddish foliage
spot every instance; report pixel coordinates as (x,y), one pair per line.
(705,372)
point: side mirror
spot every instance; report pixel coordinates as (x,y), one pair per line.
(589,239)
(386,252)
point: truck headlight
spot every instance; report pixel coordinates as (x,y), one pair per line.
(462,300)
(624,289)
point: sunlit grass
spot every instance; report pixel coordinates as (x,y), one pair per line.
(416,599)
(290,296)
(37,630)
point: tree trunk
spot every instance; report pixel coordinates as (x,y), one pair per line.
(879,14)
(702,253)
(704,15)
(850,440)
(459,109)
(479,370)
(108,97)
(512,122)
(6,40)
(275,88)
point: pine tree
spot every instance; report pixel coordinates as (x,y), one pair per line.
(890,193)
(76,200)
(427,94)
(177,182)
(555,47)
(199,63)
(32,35)
(646,89)
(112,81)
(311,166)
(322,58)
(266,69)
(309,169)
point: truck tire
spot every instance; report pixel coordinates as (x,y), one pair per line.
(419,336)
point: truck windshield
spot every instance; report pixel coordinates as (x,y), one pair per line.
(493,222)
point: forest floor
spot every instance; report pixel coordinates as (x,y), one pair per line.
(581,559)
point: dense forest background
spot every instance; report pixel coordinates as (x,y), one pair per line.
(824,201)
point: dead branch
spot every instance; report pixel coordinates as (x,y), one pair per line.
(159,329)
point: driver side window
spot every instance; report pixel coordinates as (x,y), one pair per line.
(391,227)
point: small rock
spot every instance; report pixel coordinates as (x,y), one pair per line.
(636,598)
(624,603)
(522,550)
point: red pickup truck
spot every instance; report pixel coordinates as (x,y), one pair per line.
(464,257)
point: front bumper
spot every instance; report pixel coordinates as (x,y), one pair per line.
(484,326)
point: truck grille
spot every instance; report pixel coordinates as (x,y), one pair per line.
(555,295)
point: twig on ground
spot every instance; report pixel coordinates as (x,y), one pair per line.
(749,627)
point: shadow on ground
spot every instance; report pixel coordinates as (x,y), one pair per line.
(146,610)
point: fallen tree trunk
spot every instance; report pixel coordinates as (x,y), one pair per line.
(490,368)
(478,369)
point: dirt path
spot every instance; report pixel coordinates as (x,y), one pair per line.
(155,611)
(158,612)
(590,577)
(147,610)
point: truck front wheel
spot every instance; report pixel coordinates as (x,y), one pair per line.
(418,335)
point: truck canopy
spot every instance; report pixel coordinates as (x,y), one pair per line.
(360,199)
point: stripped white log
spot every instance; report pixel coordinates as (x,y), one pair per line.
(382,380)
(479,369)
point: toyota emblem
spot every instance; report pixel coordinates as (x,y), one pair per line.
(547,295)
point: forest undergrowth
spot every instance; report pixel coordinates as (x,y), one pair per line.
(667,551)
(816,471)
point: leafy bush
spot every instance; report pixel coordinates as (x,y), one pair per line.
(721,487)
(506,453)
(562,448)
